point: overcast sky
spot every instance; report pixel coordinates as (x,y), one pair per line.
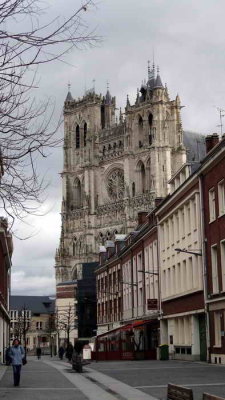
(187,37)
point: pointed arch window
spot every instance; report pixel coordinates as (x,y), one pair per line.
(141,177)
(133,189)
(150,123)
(85,134)
(77,193)
(140,131)
(148,175)
(77,137)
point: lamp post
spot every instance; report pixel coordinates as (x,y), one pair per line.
(148,272)
(129,283)
(195,252)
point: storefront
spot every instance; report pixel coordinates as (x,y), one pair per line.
(137,340)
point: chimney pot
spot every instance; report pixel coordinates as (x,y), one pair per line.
(211,141)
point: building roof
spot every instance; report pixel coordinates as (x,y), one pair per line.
(195,145)
(37,304)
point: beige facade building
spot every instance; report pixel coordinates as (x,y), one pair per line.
(33,318)
(114,167)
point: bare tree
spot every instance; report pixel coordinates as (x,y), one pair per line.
(65,321)
(26,131)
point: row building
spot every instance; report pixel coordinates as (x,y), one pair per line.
(163,283)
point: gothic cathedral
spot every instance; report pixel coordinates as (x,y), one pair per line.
(114,167)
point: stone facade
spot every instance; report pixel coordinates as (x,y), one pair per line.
(114,167)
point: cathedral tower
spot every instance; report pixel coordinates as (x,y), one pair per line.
(113,169)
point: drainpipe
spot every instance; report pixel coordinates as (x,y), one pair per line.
(159,276)
(143,279)
(132,287)
(204,259)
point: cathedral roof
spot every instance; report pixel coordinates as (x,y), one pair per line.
(195,145)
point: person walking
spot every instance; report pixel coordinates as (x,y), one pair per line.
(17,354)
(69,351)
(61,352)
(38,352)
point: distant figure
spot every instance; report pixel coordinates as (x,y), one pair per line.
(61,352)
(38,352)
(69,351)
(7,356)
(16,354)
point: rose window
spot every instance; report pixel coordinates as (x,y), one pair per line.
(115,184)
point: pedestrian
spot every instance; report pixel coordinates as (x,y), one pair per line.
(17,355)
(7,356)
(38,352)
(69,351)
(61,352)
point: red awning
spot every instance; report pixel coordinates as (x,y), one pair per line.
(138,323)
(126,327)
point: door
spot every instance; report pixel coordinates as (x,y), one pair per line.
(202,335)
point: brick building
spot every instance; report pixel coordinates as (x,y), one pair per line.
(127,292)
(6,249)
(213,196)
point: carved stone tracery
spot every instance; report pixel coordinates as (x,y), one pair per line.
(115,184)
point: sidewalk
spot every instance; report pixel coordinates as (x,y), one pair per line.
(52,379)
(39,381)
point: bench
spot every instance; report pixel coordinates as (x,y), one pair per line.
(175,392)
(207,396)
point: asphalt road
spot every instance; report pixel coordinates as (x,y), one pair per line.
(39,381)
(152,377)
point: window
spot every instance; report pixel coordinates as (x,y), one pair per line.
(217,328)
(215,282)
(85,134)
(221,195)
(222,255)
(150,120)
(77,137)
(39,325)
(212,207)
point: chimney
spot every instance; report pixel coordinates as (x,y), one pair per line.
(211,141)
(158,200)
(120,242)
(142,217)
(102,255)
(110,248)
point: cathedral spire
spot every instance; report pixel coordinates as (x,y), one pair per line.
(69,96)
(108,97)
(158,82)
(128,101)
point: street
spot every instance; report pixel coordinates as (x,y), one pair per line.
(119,380)
(152,377)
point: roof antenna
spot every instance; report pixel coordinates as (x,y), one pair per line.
(69,86)
(221,115)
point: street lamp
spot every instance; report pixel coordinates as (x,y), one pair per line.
(148,272)
(129,283)
(195,252)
